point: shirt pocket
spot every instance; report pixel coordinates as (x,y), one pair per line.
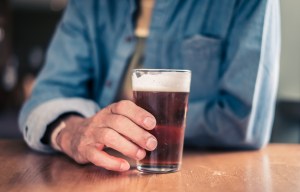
(202,55)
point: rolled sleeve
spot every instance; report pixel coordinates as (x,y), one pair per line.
(35,125)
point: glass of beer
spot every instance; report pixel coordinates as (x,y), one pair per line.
(164,93)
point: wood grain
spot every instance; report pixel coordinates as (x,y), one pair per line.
(275,168)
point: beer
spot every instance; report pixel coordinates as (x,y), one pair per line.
(164,95)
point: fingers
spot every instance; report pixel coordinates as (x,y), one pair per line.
(113,139)
(132,131)
(102,159)
(137,114)
(122,126)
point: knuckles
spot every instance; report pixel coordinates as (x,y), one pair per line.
(122,106)
(118,121)
(108,136)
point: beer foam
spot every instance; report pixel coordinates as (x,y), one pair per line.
(178,81)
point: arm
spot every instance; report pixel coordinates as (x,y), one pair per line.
(62,95)
(63,84)
(241,115)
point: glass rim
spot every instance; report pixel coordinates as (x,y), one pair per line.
(163,70)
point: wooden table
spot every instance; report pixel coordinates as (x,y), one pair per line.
(275,168)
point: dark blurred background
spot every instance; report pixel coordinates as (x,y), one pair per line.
(26,27)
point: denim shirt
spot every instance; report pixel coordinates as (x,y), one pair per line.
(232,48)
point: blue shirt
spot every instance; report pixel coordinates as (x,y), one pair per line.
(232,48)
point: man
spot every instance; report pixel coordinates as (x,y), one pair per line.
(79,104)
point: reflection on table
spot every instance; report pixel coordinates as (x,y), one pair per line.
(275,168)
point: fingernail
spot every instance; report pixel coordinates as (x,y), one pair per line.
(140,154)
(151,144)
(150,122)
(124,166)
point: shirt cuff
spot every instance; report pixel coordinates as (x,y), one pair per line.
(43,115)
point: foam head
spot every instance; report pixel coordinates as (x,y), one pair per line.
(159,80)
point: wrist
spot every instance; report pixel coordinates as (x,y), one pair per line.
(57,130)
(59,137)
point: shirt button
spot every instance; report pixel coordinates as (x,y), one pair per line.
(108,83)
(129,39)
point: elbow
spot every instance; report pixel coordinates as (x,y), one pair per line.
(243,136)
(255,144)
(244,144)
(227,140)
(253,137)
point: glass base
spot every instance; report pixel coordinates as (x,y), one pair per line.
(158,168)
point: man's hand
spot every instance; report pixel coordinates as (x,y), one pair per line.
(122,126)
